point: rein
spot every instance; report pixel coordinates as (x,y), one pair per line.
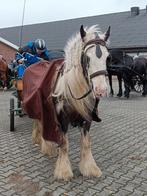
(83,96)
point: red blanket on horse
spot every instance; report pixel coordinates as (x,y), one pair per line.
(38,83)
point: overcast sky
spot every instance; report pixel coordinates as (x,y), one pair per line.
(38,11)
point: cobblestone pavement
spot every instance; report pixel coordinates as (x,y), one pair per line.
(119,146)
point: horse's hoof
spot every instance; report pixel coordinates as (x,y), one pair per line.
(63,174)
(92,171)
(144,94)
(111,95)
(119,95)
(126,96)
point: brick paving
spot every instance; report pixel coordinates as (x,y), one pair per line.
(119,146)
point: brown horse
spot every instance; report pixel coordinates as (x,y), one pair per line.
(3,72)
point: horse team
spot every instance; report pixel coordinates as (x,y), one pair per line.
(133,71)
(77,90)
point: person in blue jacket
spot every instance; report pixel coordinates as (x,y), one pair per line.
(37,48)
(31,53)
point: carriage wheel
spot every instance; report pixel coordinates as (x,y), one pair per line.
(11,114)
(138,87)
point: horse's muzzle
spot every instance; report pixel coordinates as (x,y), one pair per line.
(100,92)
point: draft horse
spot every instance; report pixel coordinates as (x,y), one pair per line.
(3,72)
(77,91)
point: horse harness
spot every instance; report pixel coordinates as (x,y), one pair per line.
(85,59)
(85,63)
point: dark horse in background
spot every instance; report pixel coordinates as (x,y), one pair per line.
(126,68)
(139,69)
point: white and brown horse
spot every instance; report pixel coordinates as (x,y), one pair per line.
(77,90)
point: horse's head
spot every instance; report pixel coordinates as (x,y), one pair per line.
(94,59)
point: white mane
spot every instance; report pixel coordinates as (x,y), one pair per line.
(73,74)
(73,47)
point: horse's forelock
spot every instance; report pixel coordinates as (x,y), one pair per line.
(73,48)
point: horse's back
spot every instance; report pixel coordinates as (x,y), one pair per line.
(140,61)
(140,65)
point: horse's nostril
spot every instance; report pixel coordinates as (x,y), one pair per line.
(96,89)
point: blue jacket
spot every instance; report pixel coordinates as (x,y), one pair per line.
(30,48)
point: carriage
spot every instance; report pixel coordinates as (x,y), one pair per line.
(18,71)
(133,72)
(137,84)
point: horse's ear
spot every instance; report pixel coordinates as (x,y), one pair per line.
(82,32)
(107,34)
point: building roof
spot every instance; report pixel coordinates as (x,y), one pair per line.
(8,43)
(127,31)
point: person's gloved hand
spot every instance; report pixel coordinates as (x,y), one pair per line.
(20,61)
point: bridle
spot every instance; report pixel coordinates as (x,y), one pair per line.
(91,44)
(85,64)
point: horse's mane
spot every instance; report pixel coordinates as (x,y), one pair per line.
(73,74)
(73,48)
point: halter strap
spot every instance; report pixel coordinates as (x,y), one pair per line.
(101,72)
(95,41)
(98,73)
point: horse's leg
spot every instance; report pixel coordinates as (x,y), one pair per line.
(145,87)
(144,93)
(36,133)
(119,77)
(144,82)
(63,167)
(87,164)
(127,90)
(110,84)
(5,85)
(127,80)
(95,116)
(47,147)
(4,79)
